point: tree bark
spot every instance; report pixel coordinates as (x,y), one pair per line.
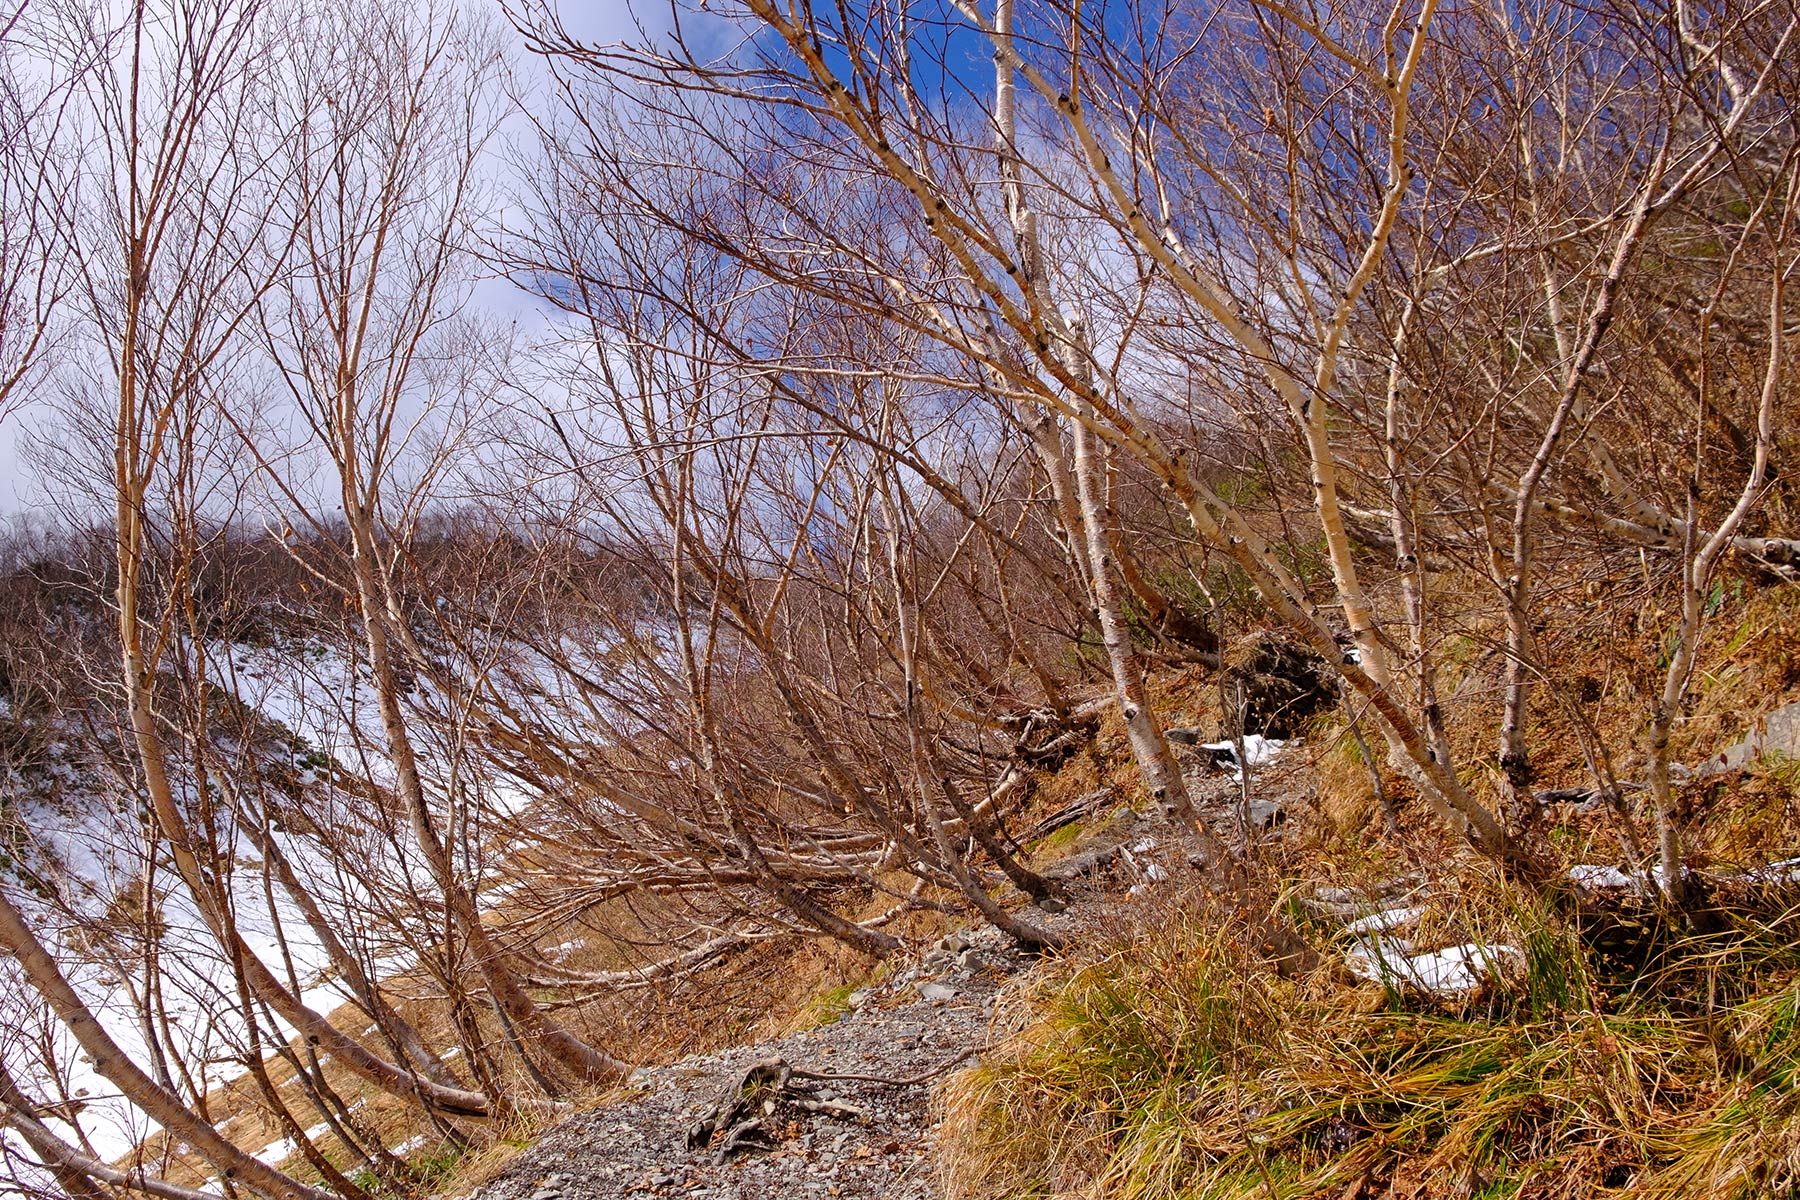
(113,1064)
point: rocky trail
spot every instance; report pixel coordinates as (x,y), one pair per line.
(843,1110)
(853,1119)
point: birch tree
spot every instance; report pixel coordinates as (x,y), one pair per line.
(392,115)
(1274,196)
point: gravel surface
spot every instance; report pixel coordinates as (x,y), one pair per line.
(912,1030)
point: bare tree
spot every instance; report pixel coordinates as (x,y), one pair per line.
(176,246)
(1215,192)
(34,203)
(385,196)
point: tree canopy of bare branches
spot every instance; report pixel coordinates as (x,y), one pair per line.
(901,387)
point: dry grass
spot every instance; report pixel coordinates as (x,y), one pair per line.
(1347,799)
(1174,1063)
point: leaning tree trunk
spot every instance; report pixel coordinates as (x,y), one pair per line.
(114,1065)
(405,1037)
(510,998)
(1084,515)
(1156,762)
(138,677)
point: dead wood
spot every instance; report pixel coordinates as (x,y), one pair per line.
(737,1120)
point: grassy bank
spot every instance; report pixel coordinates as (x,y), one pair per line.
(1172,1063)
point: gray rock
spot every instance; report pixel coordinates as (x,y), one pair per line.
(1776,733)
(937,993)
(1264,813)
(955,943)
(1580,799)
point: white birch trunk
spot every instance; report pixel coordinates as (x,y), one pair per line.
(114,1065)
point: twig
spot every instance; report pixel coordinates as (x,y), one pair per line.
(931,1074)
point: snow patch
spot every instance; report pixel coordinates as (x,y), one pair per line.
(1385,921)
(1598,878)
(1452,971)
(1785,871)
(1258,750)
(562,950)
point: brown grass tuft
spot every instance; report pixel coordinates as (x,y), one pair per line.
(1174,1063)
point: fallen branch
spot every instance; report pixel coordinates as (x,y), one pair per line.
(882,1079)
(1085,863)
(1077,810)
(737,1119)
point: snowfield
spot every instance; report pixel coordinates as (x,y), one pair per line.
(81,829)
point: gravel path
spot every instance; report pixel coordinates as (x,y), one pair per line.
(927,1021)
(916,1028)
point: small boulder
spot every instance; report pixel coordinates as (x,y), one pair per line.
(1264,813)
